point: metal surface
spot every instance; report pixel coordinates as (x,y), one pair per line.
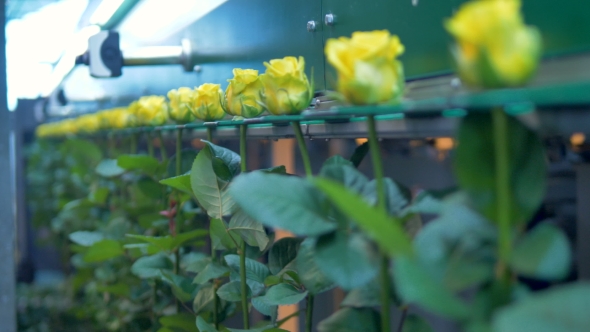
(163,55)
(583,222)
(244,34)
(329,19)
(7,217)
(563,25)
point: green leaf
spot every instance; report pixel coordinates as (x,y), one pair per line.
(283,252)
(310,274)
(415,323)
(256,272)
(381,228)
(83,151)
(369,295)
(221,238)
(85,238)
(232,292)
(397,196)
(430,201)
(204,299)
(336,160)
(210,177)
(142,163)
(204,326)
(285,202)
(346,175)
(475,167)
(99,195)
(150,188)
(458,248)
(359,154)
(148,220)
(226,156)
(275,170)
(283,294)
(249,230)
(198,265)
(213,270)
(347,259)
(103,250)
(181,182)
(182,287)
(184,321)
(265,308)
(170,243)
(119,289)
(108,168)
(351,320)
(415,285)
(191,258)
(563,308)
(150,266)
(544,253)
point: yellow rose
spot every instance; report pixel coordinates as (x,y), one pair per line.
(45,130)
(116,118)
(286,87)
(87,123)
(150,110)
(66,127)
(179,109)
(206,102)
(494,47)
(368,72)
(243,94)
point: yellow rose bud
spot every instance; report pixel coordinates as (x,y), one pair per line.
(150,110)
(206,102)
(243,94)
(179,109)
(494,47)
(368,72)
(286,87)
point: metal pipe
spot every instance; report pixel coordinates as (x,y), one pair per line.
(155,55)
(162,55)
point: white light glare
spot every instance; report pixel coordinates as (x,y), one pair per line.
(106,9)
(152,21)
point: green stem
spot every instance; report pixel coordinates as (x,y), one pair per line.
(215,287)
(402,319)
(284,320)
(244,286)
(178,151)
(378,173)
(302,147)
(163,151)
(215,305)
(154,301)
(210,134)
(111,146)
(309,313)
(308,172)
(133,144)
(150,144)
(502,165)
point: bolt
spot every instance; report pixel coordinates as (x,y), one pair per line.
(316,103)
(311,26)
(329,19)
(197,69)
